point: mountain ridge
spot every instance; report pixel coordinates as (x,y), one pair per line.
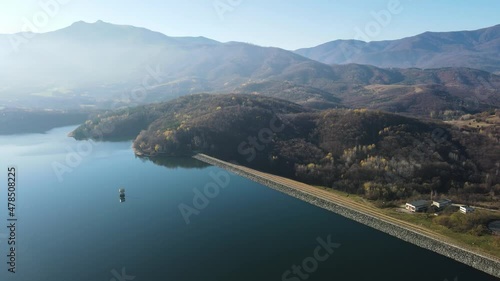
(83,25)
(103,65)
(473,48)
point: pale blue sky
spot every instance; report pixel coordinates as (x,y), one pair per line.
(287,24)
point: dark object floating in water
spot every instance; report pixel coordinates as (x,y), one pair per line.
(122,194)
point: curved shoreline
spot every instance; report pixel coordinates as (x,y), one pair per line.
(406,232)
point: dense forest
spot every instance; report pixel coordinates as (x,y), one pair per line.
(382,156)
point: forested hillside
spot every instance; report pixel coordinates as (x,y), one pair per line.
(380,155)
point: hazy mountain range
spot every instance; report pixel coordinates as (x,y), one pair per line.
(475,49)
(106,66)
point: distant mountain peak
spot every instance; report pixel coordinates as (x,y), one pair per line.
(105,31)
(82,22)
(99,24)
(100,31)
(90,23)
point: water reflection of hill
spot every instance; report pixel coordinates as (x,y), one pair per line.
(177,162)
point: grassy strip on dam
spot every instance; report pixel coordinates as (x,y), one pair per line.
(487,244)
(370,216)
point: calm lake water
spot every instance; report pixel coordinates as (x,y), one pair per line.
(73,227)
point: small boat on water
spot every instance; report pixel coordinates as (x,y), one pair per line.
(122,194)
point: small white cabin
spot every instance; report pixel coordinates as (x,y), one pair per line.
(466,209)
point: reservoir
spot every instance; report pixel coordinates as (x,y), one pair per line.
(73,225)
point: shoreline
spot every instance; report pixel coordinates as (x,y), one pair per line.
(405,231)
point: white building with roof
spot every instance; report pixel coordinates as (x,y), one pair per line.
(441,204)
(466,209)
(417,206)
